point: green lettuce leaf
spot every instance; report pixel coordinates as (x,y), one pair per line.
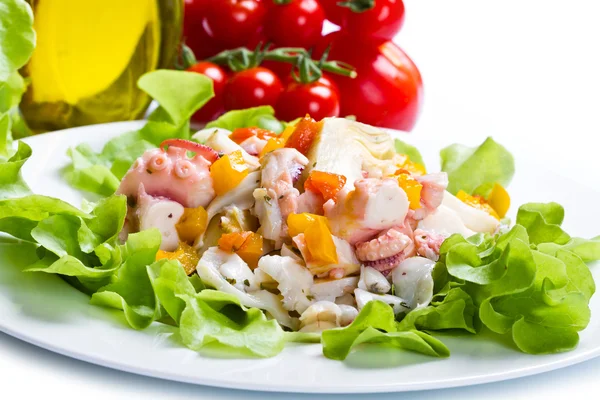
(477,169)
(131,288)
(452,308)
(542,221)
(217,320)
(170,282)
(12,184)
(411,151)
(262,117)
(587,249)
(375,324)
(17,38)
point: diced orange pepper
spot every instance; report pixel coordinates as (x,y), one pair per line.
(185,254)
(272,144)
(319,243)
(231,242)
(304,134)
(191,224)
(499,199)
(412,167)
(412,188)
(251,250)
(241,134)
(477,202)
(228,171)
(248,245)
(298,223)
(325,183)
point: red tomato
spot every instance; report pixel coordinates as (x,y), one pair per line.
(320,99)
(333,11)
(194,30)
(253,87)
(388,90)
(295,24)
(384,20)
(214,107)
(232,22)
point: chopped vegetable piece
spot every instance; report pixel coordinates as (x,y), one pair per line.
(412,188)
(319,243)
(298,223)
(192,224)
(247,244)
(499,200)
(228,171)
(287,132)
(185,254)
(477,202)
(304,135)
(273,144)
(241,134)
(325,183)
(251,250)
(413,167)
(232,242)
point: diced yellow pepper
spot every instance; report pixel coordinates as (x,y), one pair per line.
(499,200)
(191,224)
(477,202)
(319,243)
(412,167)
(298,223)
(272,144)
(412,188)
(228,171)
(287,132)
(185,254)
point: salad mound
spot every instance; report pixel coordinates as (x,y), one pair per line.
(253,232)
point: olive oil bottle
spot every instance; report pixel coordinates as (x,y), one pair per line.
(89,56)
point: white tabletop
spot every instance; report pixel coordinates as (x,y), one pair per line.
(524,71)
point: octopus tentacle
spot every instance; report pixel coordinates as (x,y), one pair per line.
(386,251)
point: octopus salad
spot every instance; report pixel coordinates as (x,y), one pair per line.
(308,226)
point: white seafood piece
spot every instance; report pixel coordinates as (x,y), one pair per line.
(324,315)
(444,221)
(373,281)
(363,297)
(310,202)
(219,140)
(240,196)
(294,281)
(238,220)
(268,213)
(375,205)
(287,251)
(253,145)
(413,282)
(346,299)
(348,148)
(347,263)
(214,263)
(333,289)
(162,214)
(473,218)
(348,315)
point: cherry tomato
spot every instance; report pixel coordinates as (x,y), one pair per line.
(384,20)
(319,99)
(194,30)
(215,106)
(334,12)
(388,90)
(282,70)
(295,24)
(232,22)
(251,88)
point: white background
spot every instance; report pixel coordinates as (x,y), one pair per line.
(524,71)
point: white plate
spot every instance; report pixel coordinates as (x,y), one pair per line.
(44,310)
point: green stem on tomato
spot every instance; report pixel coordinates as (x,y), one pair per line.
(358,6)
